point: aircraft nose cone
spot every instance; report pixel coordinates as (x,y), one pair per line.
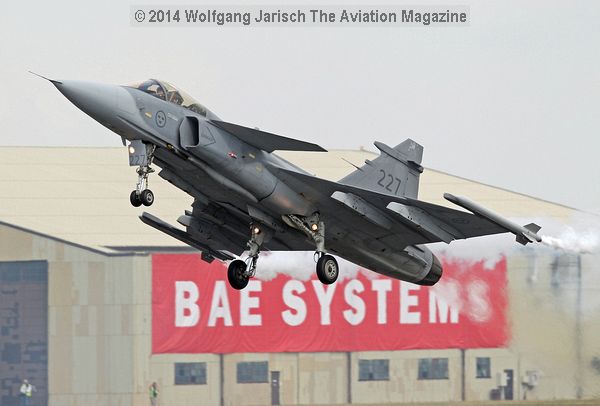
(95,99)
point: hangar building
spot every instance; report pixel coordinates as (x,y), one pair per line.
(86,309)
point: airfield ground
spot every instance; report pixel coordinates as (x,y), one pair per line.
(588,402)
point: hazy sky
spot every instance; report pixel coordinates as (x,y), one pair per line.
(513,100)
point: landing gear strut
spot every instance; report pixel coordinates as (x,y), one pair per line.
(141,194)
(239,272)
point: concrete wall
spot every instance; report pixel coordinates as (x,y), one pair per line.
(553,322)
(404,385)
(162,371)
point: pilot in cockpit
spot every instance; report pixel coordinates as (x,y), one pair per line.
(160,93)
(175,97)
(153,88)
(165,91)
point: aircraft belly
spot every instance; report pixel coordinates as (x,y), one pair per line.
(257,179)
(283,200)
(196,178)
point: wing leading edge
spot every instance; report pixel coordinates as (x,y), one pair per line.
(266,141)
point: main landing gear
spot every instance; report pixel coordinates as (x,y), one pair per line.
(239,272)
(236,274)
(327,267)
(141,194)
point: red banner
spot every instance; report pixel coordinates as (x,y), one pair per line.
(195,311)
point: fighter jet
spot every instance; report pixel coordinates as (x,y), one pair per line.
(248,199)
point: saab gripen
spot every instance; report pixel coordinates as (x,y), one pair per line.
(248,199)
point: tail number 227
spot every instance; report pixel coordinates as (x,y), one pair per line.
(389,182)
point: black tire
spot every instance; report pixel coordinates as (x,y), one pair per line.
(147,197)
(134,199)
(327,269)
(235,274)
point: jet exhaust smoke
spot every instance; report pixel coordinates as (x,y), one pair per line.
(581,235)
(298,265)
(584,243)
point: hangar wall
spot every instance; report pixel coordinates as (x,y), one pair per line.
(95,316)
(23,328)
(100,340)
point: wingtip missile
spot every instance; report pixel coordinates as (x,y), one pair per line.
(525,234)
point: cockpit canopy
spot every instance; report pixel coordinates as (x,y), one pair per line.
(166,91)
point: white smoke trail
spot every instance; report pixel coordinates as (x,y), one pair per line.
(586,242)
(298,265)
(579,234)
(489,249)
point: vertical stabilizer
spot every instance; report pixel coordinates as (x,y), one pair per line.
(394,172)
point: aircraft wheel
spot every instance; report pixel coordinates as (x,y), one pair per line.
(147,197)
(327,269)
(236,274)
(134,199)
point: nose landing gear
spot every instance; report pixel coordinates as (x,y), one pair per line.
(141,194)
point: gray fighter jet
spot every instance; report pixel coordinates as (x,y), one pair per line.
(248,198)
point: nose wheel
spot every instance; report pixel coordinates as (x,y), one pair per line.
(147,197)
(137,199)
